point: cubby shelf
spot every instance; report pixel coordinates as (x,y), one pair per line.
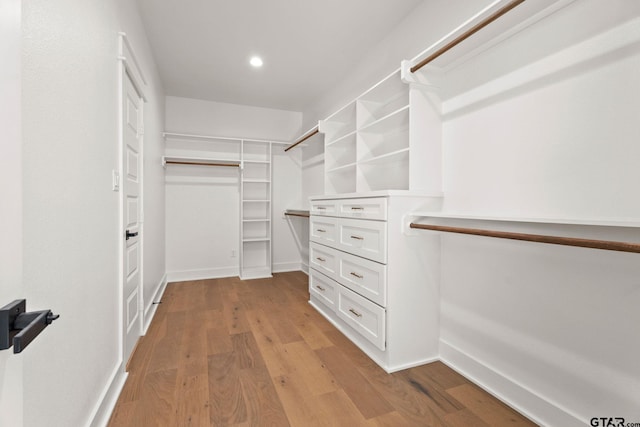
(401,155)
(372,144)
(342,168)
(342,139)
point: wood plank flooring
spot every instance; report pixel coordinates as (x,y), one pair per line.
(227,352)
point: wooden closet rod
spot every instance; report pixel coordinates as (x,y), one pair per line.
(466,34)
(303,215)
(301,140)
(555,240)
(175,162)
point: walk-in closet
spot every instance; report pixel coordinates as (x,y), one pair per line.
(296,213)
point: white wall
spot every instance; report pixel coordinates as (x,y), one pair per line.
(550,328)
(202,223)
(71,215)
(11,401)
(287,187)
(423,26)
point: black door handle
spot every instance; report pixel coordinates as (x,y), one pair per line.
(18,328)
(130,234)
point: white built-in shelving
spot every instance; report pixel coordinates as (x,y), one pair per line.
(377,143)
(252,159)
(255,210)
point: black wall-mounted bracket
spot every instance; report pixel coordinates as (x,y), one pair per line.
(18,328)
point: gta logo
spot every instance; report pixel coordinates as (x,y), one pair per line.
(607,422)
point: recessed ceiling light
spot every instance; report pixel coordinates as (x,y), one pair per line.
(256,61)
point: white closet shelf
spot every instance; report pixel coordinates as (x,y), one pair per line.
(344,138)
(256,239)
(387,157)
(264,162)
(198,161)
(219,138)
(256,201)
(195,136)
(256,220)
(622,222)
(381,193)
(258,181)
(390,122)
(342,168)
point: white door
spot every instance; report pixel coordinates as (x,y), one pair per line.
(11,399)
(131,236)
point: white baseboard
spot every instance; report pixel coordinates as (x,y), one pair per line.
(283,267)
(106,403)
(210,273)
(517,396)
(151,308)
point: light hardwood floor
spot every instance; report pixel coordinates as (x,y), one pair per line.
(227,352)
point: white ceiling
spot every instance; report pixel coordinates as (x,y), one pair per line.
(202,47)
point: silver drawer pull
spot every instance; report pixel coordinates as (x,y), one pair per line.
(356,275)
(320,259)
(355,312)
(321,208)
(320,230)
(357,208)
(357,237)
(321,288)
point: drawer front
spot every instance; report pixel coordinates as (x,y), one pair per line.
(324,207)
(362,315)
(367,278)
(323,230)
(371,208)
(323,259)
(323,288)
(364,238)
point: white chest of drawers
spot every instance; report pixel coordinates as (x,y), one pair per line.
(372,281)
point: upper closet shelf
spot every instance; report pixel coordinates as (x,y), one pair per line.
(168,135)
(179,135)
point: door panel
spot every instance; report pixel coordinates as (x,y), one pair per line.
(132,136)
